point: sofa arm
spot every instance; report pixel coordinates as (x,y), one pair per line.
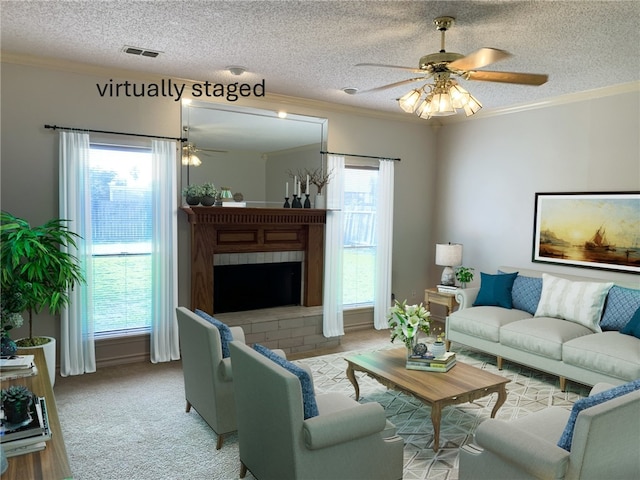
(238,334)
(466,296)
(344,425)
(529,452)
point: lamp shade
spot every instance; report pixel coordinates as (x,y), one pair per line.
(448,254)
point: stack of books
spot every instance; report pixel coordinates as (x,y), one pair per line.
(429,363)
(29,436)
(17,366)
(447,288)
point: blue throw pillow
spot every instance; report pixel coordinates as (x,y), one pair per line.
(225,332)
(526,293)
(308,395)
(567,436)
(495,290)
(621,304)
(633,327)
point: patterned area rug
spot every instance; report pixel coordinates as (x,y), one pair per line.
(528,391)
(129,421)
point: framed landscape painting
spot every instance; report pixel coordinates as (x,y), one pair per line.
(592,230)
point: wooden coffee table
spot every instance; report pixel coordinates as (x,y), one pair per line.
(463,383)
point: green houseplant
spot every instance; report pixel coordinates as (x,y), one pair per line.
(464,275)
(15,403)
(33,263)
(192,194)
(208,194)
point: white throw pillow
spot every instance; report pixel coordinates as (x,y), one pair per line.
(578,302)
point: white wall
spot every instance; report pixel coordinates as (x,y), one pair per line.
(35,95)
(490,169)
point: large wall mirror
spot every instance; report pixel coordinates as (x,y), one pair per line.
(250,151)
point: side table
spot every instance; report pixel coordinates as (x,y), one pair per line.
(432,295)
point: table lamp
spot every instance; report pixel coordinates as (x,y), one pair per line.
(448,255)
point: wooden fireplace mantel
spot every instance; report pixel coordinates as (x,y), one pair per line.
(242,230)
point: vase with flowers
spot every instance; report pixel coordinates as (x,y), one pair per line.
(407,321)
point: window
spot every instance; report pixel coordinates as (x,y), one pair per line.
(121,217)
(360,200)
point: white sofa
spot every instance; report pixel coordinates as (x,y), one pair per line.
(553,345)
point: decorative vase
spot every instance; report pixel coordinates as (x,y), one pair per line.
(9,347)
(208,200)
(49,349)
(320,201)
(438,349)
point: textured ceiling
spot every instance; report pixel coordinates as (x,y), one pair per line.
(309,49)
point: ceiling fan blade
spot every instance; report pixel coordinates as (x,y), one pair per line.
(393,85)
(480,58)
(409,69)
(198,149)
(508,77)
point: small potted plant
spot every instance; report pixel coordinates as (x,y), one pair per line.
(464,275)
(12,304)
(208,194)
(192,194)
(438,348)
(15,403)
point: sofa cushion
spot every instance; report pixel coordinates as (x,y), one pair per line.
(633,326)
(225,332)
(495,290)
(619,308)
(580,302)
(590,401)
(483,322)
(610,353)
(526,292)
(541,335)
(310,406)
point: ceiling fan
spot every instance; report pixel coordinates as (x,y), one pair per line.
(445,95)
(189,156)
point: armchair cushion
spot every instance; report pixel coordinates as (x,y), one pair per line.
(590,401)
(344,425)
(225,332)
(306,383)
(579,302)
(495,290)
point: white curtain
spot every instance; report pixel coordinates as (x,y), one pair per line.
(384,237)
(77,346)
(333,323)
(164,325)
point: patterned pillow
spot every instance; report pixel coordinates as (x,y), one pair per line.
(567,436)
(225,333)
(578,302)
(308,395)
(621,304)
(495,290)
(633,327)
(526,292)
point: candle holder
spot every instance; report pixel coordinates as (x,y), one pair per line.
(296,202)
(286,203)
(307,202)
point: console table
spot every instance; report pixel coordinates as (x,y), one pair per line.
(52,462)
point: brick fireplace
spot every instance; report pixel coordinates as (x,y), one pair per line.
(223,231)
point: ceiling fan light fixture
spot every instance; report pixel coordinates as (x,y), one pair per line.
(459,96)
(472,106)
(189,158)
(409,101)
(423,110)
(441,105)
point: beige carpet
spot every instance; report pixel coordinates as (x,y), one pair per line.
(128,422)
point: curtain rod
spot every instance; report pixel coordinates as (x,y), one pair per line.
(73,129)
(359,156)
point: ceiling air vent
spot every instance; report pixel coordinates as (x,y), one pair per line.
(140,51)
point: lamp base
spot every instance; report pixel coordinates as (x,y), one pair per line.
(448,277)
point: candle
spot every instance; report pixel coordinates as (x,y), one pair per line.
(308,184)
(286,190)
(295,184)
(299,191)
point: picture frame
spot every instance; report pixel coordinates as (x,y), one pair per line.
(591,230)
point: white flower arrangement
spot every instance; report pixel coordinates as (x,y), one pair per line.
(406,321)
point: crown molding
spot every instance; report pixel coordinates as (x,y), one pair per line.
(299,102)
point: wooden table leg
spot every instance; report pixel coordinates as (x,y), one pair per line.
(436,415)
(354,381)
(502,397)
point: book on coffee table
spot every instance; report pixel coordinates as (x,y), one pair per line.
(430,368)
(33,430)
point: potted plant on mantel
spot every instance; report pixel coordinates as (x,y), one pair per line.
(33,263)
